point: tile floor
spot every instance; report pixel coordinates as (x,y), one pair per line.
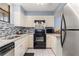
(41,52)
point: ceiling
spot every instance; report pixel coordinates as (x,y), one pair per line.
(40,6)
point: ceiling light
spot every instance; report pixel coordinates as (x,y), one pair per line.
(41,3)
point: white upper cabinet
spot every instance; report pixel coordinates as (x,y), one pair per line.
(17,16)
(48,19)
(29,21)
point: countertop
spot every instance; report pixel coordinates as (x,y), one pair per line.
(57,35)
(4,41)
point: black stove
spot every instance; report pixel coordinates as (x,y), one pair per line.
(39,39)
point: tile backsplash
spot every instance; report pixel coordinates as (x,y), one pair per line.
(6,29)
(9,29)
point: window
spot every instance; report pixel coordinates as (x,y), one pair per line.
(4,14)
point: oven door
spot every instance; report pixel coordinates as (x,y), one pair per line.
(39,39)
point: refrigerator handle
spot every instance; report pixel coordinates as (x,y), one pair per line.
(64,30)
(61,34)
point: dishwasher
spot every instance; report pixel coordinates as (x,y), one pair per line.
(7,50)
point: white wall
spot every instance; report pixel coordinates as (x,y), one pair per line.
(57,23)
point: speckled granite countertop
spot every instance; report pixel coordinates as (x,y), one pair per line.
(4,41)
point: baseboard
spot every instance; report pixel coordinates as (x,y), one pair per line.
(33,48)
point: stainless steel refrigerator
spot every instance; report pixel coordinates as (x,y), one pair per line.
(70,32)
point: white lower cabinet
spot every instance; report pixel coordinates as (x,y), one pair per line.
(30,41)
(21,46)
(51,42)
(54,44)
(18,50)
(26,42)
(48,41)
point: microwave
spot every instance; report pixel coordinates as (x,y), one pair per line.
(49,30)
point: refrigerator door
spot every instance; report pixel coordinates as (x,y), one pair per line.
(71,44)
(71,17)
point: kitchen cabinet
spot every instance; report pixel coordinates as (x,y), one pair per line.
(26,42)
(48,19)
(48,41)
(50,22)
(54,44)
(21,46)
(29,21)
(18,19)
(30,41)
(58,47)
(51,42)
(17,15)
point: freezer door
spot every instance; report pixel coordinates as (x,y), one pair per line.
(71,17)
(71,44)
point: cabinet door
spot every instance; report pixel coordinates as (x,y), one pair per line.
(54,44)
(26,42)
(24,21)
(48,42)
(18,50)
(29,21)
(16,15)
(30,41)
(50,21)
(51,41)
(23,49)
(17,19)
(20,47)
